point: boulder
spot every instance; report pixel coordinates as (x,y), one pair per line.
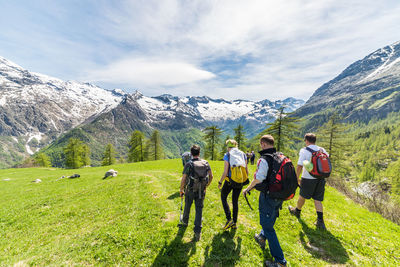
(110,173)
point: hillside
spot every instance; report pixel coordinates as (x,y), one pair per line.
(131,220)
(368,88)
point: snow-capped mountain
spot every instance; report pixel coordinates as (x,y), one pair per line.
(179,119)
(204,110)
(36,103)
(36,109)
(367,88)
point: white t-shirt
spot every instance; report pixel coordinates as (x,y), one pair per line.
(306,155)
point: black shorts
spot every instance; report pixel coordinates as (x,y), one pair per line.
(312,188)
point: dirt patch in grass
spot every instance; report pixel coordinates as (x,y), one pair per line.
(21,264)
(169,216)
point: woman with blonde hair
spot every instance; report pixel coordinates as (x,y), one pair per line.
(233,157)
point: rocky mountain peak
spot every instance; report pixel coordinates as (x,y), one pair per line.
(370,87)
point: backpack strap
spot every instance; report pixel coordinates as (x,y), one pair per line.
(310,150)
(189,184)
(269,159)
(229,163)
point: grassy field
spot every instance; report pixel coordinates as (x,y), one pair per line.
(132,220)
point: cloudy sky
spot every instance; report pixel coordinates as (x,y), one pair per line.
(234,49)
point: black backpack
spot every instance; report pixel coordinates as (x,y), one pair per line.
(198,178)
(281,182)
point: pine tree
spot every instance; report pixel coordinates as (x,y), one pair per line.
(240,137)
(86,155)
(154,147)
(73,153)
(121,160)
(284,130)
(109,155)
(334,138)
(224,148)
(42,160)
(212,135)
(137,147)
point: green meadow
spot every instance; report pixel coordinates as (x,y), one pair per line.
(132,220)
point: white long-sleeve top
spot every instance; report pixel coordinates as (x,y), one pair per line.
(262,170)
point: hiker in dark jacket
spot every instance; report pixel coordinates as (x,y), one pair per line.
(227,187)
(253,157)
(188,189)
(268,207)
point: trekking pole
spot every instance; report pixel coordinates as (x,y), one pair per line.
(248,203)
(180,212)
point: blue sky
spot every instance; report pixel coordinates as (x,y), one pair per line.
(231,49)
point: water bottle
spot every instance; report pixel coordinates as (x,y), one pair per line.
(308,165)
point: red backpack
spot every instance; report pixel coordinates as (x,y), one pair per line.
(322,166)
(281,182)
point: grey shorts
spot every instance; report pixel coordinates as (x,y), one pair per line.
(312,188)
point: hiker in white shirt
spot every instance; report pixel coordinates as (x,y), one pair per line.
(310,187)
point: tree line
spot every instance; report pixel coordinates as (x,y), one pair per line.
(284,129)
(77,153)
(287,132)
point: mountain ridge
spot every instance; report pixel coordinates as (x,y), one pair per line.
(368,88)
(36,109)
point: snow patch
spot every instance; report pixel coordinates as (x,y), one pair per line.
(156,108)
(3,101)
(214,111)
(38,137)
(53,123)
(384,68)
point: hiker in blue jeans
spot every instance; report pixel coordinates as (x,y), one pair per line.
(268,207)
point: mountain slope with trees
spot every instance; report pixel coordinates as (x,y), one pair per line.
(368,88)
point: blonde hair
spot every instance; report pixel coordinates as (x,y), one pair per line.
(231,143)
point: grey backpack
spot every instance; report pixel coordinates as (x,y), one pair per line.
(199,176)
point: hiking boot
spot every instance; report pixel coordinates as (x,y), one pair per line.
(320,224)
(234,226)
(197,236)
(260,240)
(294,211)
(274,264)
(228,225)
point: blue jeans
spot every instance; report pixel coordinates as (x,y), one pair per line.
(269,211)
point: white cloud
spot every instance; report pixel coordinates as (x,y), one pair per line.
(295,46)
(234,48)
(150,72)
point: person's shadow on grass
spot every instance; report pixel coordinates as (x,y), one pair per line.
(322,244)
(177,252)
(224,250)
